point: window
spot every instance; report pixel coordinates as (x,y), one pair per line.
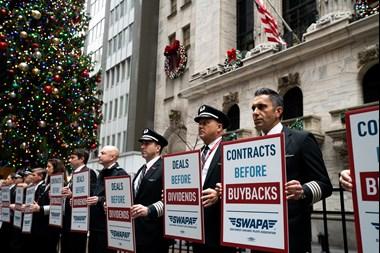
(186,3)
(173,7)
(124,141)
(245,20)
(126,104)
(129,67)
(293,104)
(172,38)
(120,40)
(105,112)
(118,144)
(370,85)
(123,71)
(186,36)
(108,140)
(110,112)
(234,116)
(116,108)
(121,106)
(299,14)
(113,140)
(117,73)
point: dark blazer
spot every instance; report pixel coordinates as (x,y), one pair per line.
(304,162)
(39,220)
(68,208)
(149,230)
(212,216)
(97,214)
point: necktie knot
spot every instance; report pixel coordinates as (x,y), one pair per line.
(204,154)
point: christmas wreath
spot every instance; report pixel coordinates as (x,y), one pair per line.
(233,60)
(175,60)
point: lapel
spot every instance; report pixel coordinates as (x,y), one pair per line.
(155,167)
(214,165)
(288,139)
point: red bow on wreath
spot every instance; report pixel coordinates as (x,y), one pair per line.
(172,48)
(231,54)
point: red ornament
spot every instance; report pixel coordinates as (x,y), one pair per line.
(48,89)
(3,12)
(35,45)
(57,78)
(93,146)
(3,46)
(85,73)
(95,126)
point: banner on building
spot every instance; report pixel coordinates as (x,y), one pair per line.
(56,200)
(120,225)
(254,213)
(80,211)
(363,142)
(17,214)
(28,214)
(182,191)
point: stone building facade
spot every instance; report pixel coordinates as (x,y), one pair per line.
(330,69)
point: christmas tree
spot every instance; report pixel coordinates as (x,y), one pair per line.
(49,101)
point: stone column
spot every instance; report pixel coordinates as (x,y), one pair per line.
(327,7)
(337,12)
(215,32)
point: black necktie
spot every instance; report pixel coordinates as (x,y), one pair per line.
(204,155)
(142,174)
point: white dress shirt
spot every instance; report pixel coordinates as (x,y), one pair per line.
(213,147)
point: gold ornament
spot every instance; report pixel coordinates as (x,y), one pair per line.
(37,54)
(55,41)
(36,14)
(23,34)
(55,91)
(42,123)
(23,145)
(23,66)
(36,71)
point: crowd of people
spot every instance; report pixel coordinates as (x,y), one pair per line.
(307,183)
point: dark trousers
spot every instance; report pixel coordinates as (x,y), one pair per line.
(199,248)
(73,242)
(98,243)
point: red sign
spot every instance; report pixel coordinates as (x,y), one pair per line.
(370,186)
(260,193)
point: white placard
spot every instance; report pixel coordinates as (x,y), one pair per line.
(56,200)
(120,226)
(363,140)
(28,214)
(254,202)
(81,190)
(17,216)
(182,190)
(6,200)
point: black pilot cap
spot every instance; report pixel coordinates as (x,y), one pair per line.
(150,135)
(209,112)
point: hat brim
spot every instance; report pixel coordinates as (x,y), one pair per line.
(224,122)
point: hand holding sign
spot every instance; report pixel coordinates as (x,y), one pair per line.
(209,197)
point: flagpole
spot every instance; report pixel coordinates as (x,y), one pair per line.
(284,21)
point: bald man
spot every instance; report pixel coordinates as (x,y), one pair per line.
(108,157)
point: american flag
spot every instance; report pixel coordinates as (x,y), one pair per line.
(270,24)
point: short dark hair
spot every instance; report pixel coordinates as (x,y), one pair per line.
(276,99)
(81,153)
